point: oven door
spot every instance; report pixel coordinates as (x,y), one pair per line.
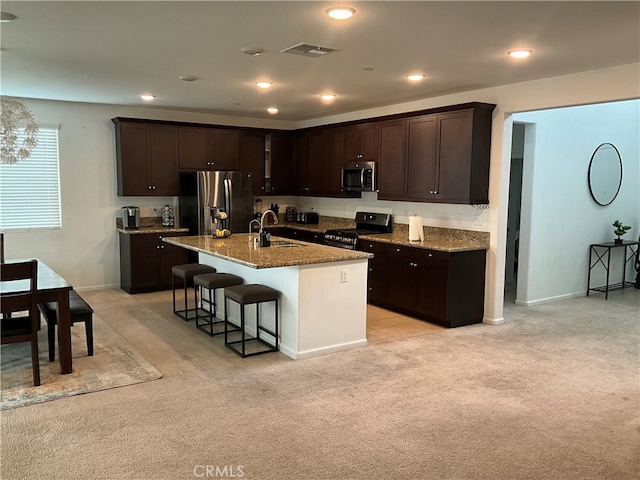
(335,243)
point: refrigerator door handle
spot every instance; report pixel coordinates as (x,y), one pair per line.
(228,196)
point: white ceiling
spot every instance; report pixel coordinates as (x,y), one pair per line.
(111,52)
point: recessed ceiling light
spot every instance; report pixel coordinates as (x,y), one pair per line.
(340,13)
(328,97)
(415,77)
(520,53)
(272,110)
(7,17)
(148,98)
(264,84)
(188,78)
(253,51)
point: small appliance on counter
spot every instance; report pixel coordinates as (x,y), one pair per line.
(290,214)
(308,218)
(130,217)
(167,216)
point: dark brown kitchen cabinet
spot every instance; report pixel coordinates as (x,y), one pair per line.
(377,273)
(147,159)
(446,288)
(392,160)
(204,148)
(282,179)
(296,234)
(422,158)
(442,157)
(361,142)
(251,150)
(146,261)
(310,162)
(334,159)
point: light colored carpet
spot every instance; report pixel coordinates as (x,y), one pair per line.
(553,394)
(113,364)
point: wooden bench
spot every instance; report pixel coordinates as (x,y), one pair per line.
(80,312)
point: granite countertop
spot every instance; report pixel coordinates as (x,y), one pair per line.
(435,238)
(149,225)
(239,249)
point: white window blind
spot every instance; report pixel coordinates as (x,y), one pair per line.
(30,189)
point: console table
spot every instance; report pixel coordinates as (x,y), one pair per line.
(602,253)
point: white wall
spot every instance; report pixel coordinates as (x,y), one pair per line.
(85,251)
(562,218)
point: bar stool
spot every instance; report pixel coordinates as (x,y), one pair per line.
(211,282)
(247,295)
(187,272)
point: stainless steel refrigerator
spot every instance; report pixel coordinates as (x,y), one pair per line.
(205,194)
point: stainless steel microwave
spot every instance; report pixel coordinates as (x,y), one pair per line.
(359,177)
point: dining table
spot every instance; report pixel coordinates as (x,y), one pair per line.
(51,288)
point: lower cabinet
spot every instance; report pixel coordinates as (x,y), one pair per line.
(294,233)
(446,288)
(146,261)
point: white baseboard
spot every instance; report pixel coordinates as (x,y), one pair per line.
(557,298)
(493,321)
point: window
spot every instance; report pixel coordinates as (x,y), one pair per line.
(30,189)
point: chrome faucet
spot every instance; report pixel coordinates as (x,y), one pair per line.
(275,218)
(265,238)
(255,220)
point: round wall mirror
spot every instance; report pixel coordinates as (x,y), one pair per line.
(605,174)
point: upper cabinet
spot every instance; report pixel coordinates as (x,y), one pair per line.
(441,157)
(437,155)
(147,158)
(362,142)
(281,180)
(204,148)
(391,160)
(251,148)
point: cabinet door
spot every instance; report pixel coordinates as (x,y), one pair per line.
(144,257)
(370,140)
(163,149)
(391,161)
(361,142)
(317,163)
(170,256)
(377,273)
(223,149)
(432,285)
(421,157)
(132,145)
(334,154)
(402,273)
(194,148)
(282,166)
(301,158)
(251,148)
(453,172)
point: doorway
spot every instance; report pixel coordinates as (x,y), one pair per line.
(513,214)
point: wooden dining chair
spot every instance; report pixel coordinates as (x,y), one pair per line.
(19,309)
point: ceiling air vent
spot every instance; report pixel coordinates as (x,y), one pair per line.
(309,50)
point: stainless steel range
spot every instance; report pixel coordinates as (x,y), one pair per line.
(366,224)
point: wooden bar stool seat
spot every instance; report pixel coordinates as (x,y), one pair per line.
(211,282)
(246,295)
(186,272)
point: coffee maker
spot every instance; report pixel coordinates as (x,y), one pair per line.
(130,217)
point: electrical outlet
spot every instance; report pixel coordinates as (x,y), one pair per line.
(343,277)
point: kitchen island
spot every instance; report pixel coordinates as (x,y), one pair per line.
(323,306)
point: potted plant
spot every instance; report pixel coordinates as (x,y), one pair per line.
(619,230)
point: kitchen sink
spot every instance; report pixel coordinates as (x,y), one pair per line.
(284,243)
